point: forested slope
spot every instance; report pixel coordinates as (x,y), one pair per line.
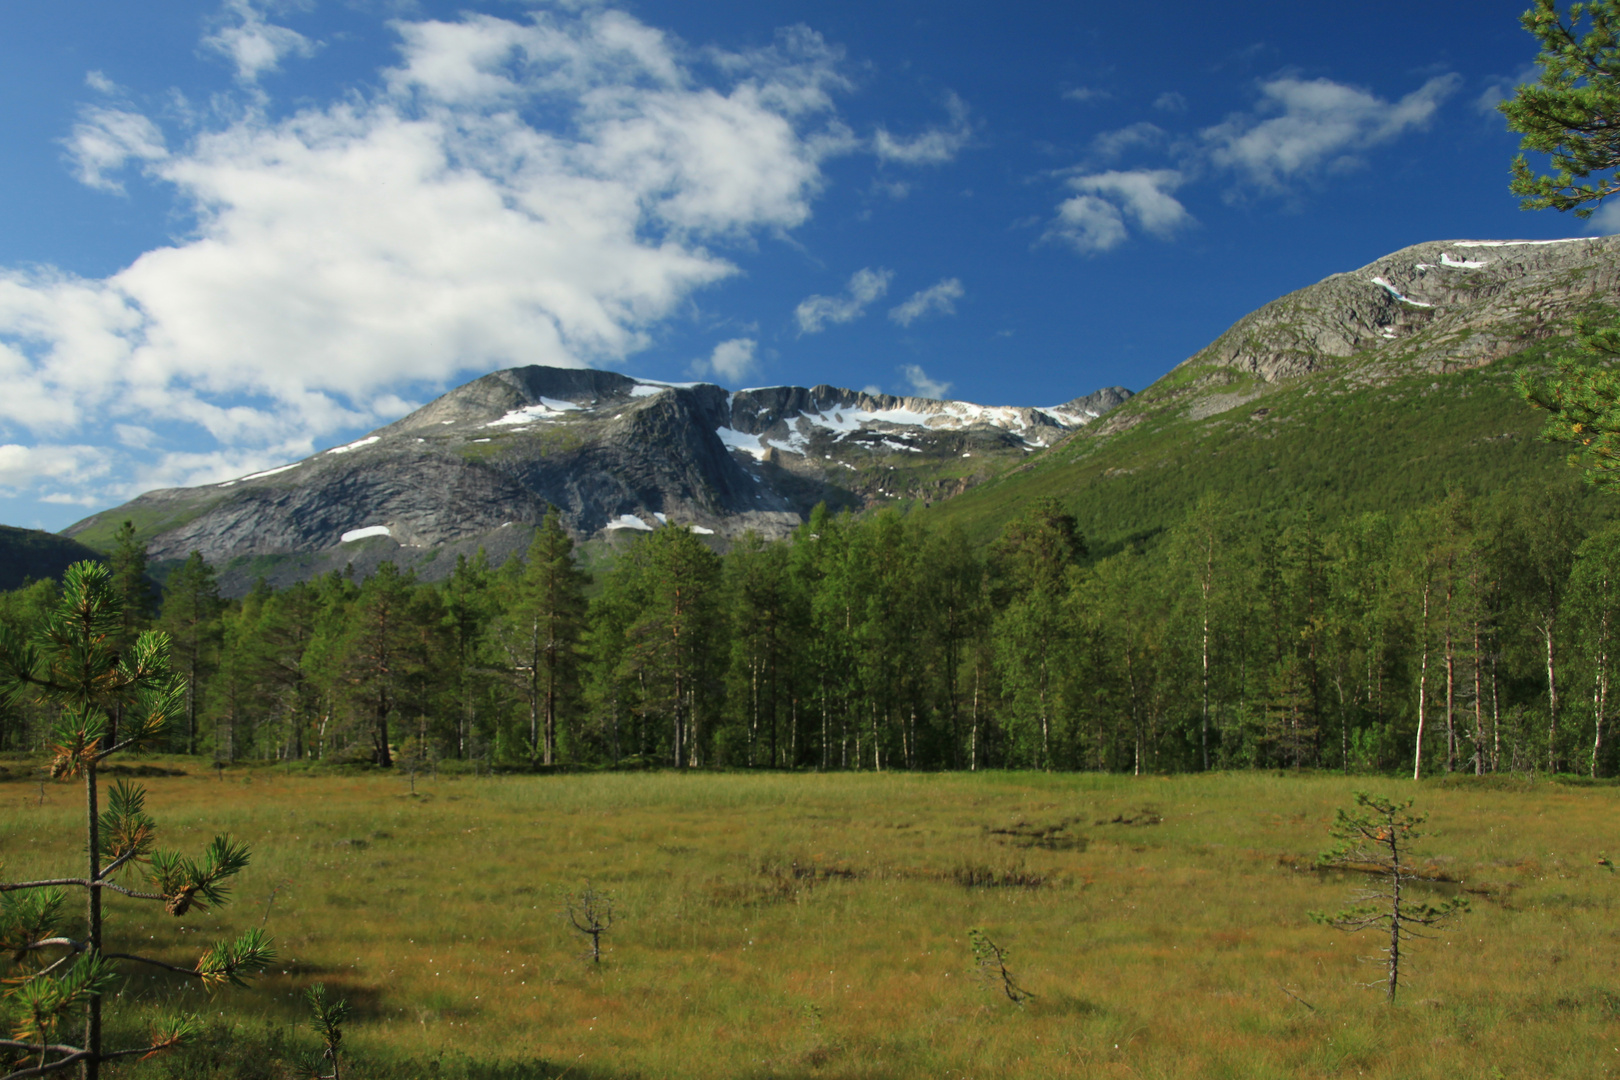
(1378,389)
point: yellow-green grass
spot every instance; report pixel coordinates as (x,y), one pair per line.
(815,925)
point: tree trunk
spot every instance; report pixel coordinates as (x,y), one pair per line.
(1451,679)
(1423,686)
(1552,698)
(1600,695)
(91,1069)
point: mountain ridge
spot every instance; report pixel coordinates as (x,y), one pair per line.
(1406,365)
(479,465)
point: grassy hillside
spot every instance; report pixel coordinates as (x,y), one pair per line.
(817,925)
(1337,439)
(30,554)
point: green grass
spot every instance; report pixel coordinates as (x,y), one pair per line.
(816,925)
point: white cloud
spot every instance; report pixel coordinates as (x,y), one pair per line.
(1095,219)
(921,384)
(99,82)
(1110,145)
(1299,128)
(1171,102)
(104,140)
(51,464)
(1085,94)
(1088,224)
(934,146)
(1499,89)
(731,361)
(1309,124)
(865,286)
(252,44)
(1606,220)
(422,232)
(939,298)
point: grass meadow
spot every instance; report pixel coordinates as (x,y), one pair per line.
(816,925)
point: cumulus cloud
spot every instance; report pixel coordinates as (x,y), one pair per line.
(1086,94)
(426,230)
(1299,129)
(55,466)
(1095,219)
(730,362)
(1170,102)
(933,147)
(1303,125)
(936,299)
(105,140)
(251,43)
(865,286)
(921,384)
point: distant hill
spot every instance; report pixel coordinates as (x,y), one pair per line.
(30,555)
(1377,389)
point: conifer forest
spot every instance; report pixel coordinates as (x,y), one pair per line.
(1473,635)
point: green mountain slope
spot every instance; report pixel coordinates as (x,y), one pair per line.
(1377,389)
(29,554)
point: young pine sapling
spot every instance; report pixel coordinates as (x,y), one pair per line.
(591,912)
(1375,838)
(327,1020)
(111,701)
(990,965)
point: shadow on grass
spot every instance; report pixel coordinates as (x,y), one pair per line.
(272,1051)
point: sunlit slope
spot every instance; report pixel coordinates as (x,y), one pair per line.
(1377,389)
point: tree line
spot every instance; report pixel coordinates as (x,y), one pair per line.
(1472,634)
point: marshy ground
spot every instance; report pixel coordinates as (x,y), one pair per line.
(817,925)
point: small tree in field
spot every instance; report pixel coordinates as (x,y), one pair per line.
(591,912)
(990,965)
(327,1019)
(111,701)
(1376,838)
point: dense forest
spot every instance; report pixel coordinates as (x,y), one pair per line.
(1473,635)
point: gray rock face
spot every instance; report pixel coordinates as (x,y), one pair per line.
(480,465)
(1442,305)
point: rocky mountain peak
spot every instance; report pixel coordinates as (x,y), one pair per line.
(479,466)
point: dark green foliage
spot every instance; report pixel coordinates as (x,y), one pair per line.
(130,581)
(1568,113)
(540,634)
(1466,634)
(1583,404)
(32,555)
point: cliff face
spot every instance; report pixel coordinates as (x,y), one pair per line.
(479,465)
(1440,306)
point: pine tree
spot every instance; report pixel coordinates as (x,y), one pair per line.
(130,582)
(541,632)
(73,662)
(191,609)
(674,646)
(1568,113)
(1376,838)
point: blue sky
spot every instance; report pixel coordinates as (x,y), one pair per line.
(234,233)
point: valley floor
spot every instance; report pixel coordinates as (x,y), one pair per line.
(817,925)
